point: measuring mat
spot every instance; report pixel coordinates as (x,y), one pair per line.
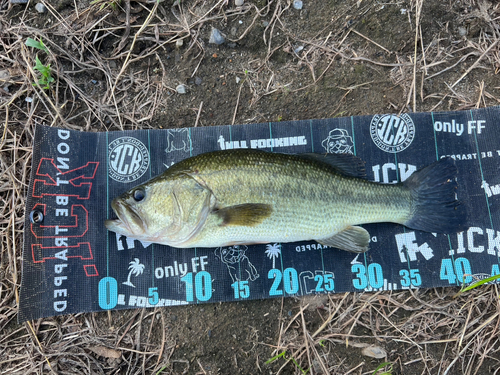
(73,264)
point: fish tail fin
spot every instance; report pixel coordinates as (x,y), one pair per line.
(434,206)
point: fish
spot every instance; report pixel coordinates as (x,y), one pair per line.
(247,196)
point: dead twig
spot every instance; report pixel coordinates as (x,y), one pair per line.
(198,115)
(370,40)
(473,66)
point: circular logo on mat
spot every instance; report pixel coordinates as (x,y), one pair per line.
(128,159)
(392,133)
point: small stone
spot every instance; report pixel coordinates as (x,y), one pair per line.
(298,4)
(298,49)
(216,37)
(179,43)
(181,89)
(238,79)
(28,99)
(41,8)
(239,3)
(462,31)
(265,23)
(197,81)
(374,352)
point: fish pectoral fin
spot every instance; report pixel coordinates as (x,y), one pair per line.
(354,239)
(248,214)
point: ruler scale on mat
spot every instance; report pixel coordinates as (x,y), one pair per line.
(72,264)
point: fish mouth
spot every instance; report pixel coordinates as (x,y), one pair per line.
(128,223)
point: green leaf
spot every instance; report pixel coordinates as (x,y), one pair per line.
(35,44)
(161,370)
(45,70)
(478,283)
(275,358)
(381,366)
(282,354)
(46,79)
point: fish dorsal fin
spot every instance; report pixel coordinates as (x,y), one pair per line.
(354,239)
(346,164)
(248,214)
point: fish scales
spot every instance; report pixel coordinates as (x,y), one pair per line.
(307,198)
(248,196)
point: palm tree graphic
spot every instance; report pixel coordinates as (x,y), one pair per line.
(273,251)
(136,268)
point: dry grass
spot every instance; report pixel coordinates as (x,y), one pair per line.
(439,334)
(443,335)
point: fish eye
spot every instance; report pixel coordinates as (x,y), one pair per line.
(139,195)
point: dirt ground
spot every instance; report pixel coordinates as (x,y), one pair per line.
(118,65)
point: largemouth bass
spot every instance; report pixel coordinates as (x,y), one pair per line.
(232,197)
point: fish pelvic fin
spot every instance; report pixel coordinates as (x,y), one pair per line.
(434,206)
(353,239)
(248,214)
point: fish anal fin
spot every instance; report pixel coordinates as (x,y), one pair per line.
(248,214)
(354,239)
